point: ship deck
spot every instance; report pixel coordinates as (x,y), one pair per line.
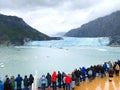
(100,84)
(97,84)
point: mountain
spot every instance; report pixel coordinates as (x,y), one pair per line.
(108,26)
(59,34)
(13,30)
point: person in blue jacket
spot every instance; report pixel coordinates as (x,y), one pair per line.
(1,85)
(19,82)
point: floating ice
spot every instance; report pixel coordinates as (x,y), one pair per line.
(2,65)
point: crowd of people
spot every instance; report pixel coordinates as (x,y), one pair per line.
(63,80)
(8,83)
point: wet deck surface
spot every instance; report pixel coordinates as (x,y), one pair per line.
(100,84)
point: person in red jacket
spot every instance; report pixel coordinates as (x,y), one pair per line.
(68,80)
(54,78)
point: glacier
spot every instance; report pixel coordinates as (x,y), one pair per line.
(71,41)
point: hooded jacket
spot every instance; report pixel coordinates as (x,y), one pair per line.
(54,77)
(68,79)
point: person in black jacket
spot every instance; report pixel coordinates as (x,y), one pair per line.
(26,82)
(7,85)
(59,79)
(111,72)
(48,80)
(63,80)
(31,80)
(77,74)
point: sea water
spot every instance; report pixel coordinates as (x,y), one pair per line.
(32,59)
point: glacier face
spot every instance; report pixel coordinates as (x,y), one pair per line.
(71,41)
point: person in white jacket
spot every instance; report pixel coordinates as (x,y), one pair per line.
(43,82)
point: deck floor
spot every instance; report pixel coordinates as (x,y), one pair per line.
(100,84)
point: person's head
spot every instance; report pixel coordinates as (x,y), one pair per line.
(25,76)
(18,74)
(31,75)
(43,75)
(12,77)
(58,72)
(6,76)
(48,73)
(54,72)
(7,79)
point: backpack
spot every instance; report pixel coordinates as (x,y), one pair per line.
(90,72)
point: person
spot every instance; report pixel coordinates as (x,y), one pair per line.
(48,77)
(5,78)
(117,68)
(54,78)
(59,79)
(1,85)
(90,74)
(63,80)
(26,82)
(68,80)
(18,81)
(43,82)
(110,64)
(77,74)
(111,72)
(7,84)
(105,65)
(83,71)
(12,80)
(102,69)
(31,80)
(73,80)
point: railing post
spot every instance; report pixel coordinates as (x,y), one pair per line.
(35,83)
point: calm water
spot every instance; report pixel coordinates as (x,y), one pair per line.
(28,59)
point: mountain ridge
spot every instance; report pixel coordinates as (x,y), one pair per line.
(15,31)
(107,26)
(100,27)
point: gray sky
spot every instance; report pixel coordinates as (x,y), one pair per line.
(52,16)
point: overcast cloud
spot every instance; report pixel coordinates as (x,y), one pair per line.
(52,16)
